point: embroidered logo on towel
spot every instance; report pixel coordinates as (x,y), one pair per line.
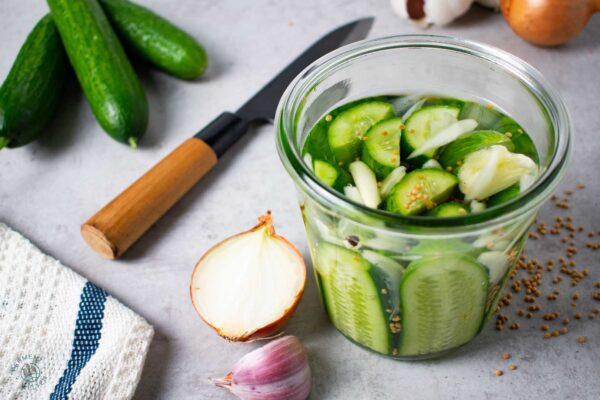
(27,370)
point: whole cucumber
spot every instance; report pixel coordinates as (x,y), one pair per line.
(30,94)
(102,68)
(156,39)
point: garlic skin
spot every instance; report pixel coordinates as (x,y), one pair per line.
(488,171)
(276,371)
(437,12)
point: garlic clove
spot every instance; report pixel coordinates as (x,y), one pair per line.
(249,285)
(276,371)
(490,170)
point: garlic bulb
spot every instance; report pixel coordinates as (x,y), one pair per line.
(276,371)
(486,172)
(436,12)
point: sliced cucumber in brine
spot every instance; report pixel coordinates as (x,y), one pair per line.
(504,196)
(422,125)
(486,116)
(351,297)
(443,302)
(381,149)
(346,131)
(421,190)
(449,209)
(521,140)
(442,247)
(453,155)
(331,175)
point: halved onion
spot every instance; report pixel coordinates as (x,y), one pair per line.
(249,285)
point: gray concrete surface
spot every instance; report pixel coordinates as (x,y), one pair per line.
(49,188)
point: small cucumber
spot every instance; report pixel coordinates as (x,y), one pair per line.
(421,190)
(351,297)
(443,302)
(455,152)
(346,131)
(331,175)
(449,209)
(156,40)
(32,90)
(422,125)
(381,150)
(504,196)
(102,68)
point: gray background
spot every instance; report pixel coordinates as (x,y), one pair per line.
(49,188)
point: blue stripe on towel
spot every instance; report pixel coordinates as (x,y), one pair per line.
(86,339)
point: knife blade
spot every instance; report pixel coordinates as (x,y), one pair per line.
(113,229)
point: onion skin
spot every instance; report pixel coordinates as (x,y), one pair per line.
(276,371)
(265,222)
(548,22)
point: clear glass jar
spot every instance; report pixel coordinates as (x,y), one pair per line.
(414,287)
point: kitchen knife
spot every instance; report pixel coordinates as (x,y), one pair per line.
(113,229)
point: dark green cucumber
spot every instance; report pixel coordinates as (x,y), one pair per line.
(421,125)
(443,302)
(381,149)
(102,68)
(504,196)
(421,190)
(331,175)
(31,92)
(454,153)
(351,296)
(156,40)
(449,209)
(346,131)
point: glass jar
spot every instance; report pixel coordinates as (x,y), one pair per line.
(415,287)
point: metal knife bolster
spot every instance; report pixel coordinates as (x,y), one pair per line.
(223,132)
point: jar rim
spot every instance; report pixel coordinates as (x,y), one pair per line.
(527,75)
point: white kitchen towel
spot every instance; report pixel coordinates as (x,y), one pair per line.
(62,337)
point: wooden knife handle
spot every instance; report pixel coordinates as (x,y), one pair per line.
(121,222)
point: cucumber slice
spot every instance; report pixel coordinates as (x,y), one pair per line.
(351,296)
(453,155)
(347,129)
(504,196)
(331,175)
(521,140)
(421,190)
(317,142)
(442,247)
(450,209)
(381,150)
(487,117)
(366,183)
(422,125)
(443,302)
